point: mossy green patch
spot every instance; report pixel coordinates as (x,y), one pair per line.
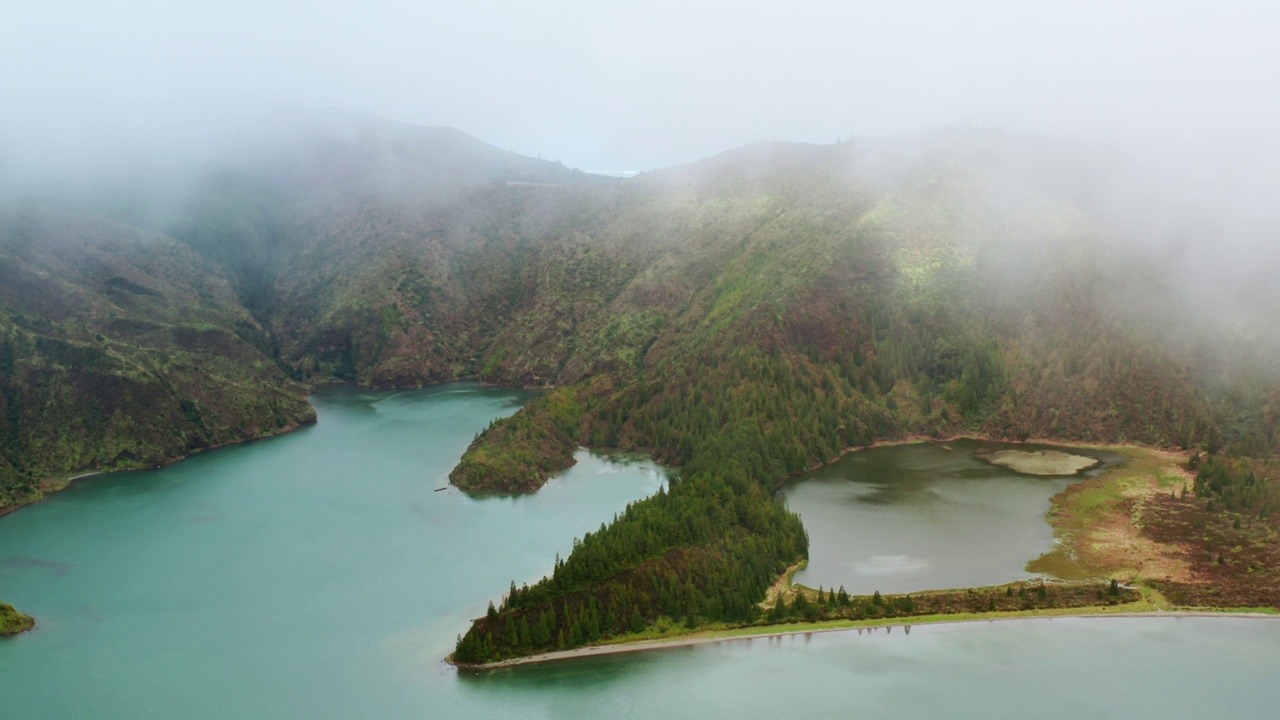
(13,622)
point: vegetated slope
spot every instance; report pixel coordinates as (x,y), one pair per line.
(816,302)
(153,309)
(745,317)
(493,287)
(813,297)
(812,308)
(921,290)
(387,254)
(705,551)
(1225,532)
(120,349)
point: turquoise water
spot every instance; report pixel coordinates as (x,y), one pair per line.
(1061,668)
(319,575)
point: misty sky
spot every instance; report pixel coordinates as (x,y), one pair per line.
(637,85)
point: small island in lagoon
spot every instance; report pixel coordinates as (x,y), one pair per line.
(1040,462)
(13,622)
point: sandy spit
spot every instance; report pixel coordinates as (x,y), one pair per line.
(679,642)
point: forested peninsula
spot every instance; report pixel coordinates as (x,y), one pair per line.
(744,318)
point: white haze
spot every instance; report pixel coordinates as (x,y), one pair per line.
(639,85)
(1179,99)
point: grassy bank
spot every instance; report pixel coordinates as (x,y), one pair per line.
(1102,556)
(13,622)
(1099,522)
(51,485)
(1131,602)
(715,635)
(795,609)
(1145,524)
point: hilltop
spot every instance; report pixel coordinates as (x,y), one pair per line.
(745,317)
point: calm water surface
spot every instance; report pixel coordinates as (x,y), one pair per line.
(925,516)
(318,575)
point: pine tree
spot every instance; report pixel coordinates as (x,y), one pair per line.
(779,611)
(525,633)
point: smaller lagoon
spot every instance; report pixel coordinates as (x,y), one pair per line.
(926,516)
(321,575)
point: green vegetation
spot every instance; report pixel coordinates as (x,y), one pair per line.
(803,604)
(531,449)
(13,622)
(804,320)
(118,350)
(805,609)
(745,318)
(1226,532)
(1236,484)
(704,552)
(1207,541)
(798,319)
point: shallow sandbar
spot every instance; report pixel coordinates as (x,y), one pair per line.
(1041,462)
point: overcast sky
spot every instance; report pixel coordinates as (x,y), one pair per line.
(637,85)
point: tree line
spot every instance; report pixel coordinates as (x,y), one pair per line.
(704,550)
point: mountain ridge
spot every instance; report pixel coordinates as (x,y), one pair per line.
(745,317)
(551,283)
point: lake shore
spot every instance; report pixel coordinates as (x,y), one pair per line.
(774,631)
(51,486)
(13,622)
(54,484)
(917,439)
(639,644)
(1040,462)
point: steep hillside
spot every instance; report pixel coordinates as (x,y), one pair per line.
(154,308)
(120,349)
(813,304)
(744,317)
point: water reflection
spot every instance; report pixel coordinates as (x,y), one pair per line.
(568,675)
(925,516)
(336,580)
